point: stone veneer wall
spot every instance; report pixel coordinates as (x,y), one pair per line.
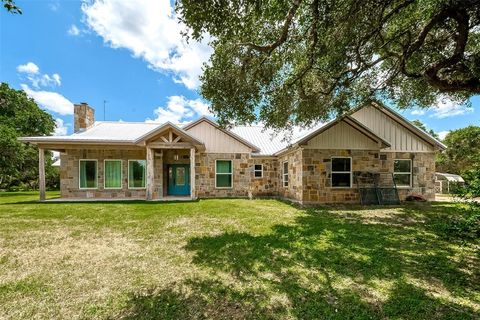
(295,186)
(423,172)
(317,173)
(205,175)
(69,172)
(267,185)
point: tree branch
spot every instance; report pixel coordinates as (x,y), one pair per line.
(283,36)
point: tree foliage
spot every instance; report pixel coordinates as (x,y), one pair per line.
(294,62)
(10,6)
(20,116)
(463,152)
(422,126)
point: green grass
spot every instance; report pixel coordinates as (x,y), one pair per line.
(231,258)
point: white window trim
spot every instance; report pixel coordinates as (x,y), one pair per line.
(261,171)
(350,172)
(231,161)
(399,173)
(96,174)
(285,174)
(121,174)
(128,175)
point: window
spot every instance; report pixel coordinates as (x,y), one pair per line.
(88,174)
(342,172)
(402,172)
(113,174)
(136,174)
(223,174)
(258,171)
(285,174)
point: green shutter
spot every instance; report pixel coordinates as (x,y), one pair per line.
(88,174)
(136,173)
(224,166)
(113,174)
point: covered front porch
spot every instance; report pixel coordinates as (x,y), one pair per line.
(160,166)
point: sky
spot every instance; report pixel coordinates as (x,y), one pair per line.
(130,54)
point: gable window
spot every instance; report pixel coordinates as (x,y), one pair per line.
(136,174)
(402,172)
(113,174)
(285,174)
(341,172)
(258,171)
(223,174)
(88,174)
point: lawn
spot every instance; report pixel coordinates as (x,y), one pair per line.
(257,259)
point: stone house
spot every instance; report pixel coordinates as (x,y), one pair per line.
(155,161)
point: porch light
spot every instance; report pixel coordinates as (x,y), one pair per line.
(175,157)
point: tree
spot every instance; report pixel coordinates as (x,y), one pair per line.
(10,6)
(295,62)
(20,116)
(422,126)
(463,151)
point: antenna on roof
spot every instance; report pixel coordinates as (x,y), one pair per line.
(104,103)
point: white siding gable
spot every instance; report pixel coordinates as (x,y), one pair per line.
(215,140)
(341,136)
(400,138)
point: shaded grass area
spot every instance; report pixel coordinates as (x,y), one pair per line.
(234,259)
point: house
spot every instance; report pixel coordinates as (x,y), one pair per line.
(155,161)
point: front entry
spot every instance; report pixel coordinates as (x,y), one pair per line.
(178,180)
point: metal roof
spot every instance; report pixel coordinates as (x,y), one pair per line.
(449,177)
(269,141)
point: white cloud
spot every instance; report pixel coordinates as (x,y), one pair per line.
(73,30)
(180,110)
(150,30)
(448,108)
(443,134)
(29,68)
(37,79)
(60,128)
(49,100)
(417,112)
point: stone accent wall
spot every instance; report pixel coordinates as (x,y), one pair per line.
(423,172)
(317,173)
(267,185)
(294,190)
(69,173)
(317,168)
(84,117)
(309,174)
(205,175)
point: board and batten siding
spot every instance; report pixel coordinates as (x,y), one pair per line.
(215,140)
(400,138)
(341,136)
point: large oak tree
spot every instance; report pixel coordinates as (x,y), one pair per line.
(294,62)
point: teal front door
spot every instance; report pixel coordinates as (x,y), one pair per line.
(179,180)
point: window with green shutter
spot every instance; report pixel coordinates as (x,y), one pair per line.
(223,174)
(136,174)
(88,174)
(113,174)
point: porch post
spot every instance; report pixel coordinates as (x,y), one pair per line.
(41,173)
(150,173)
(192,173)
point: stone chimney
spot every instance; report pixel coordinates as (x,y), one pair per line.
(84,117)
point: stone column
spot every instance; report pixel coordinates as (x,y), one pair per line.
(150,173)
(41,173)
(192,173)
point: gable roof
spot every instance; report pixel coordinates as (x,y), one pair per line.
(403,121)
(227,132)
(152,133)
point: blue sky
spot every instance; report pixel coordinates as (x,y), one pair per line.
(130,54)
